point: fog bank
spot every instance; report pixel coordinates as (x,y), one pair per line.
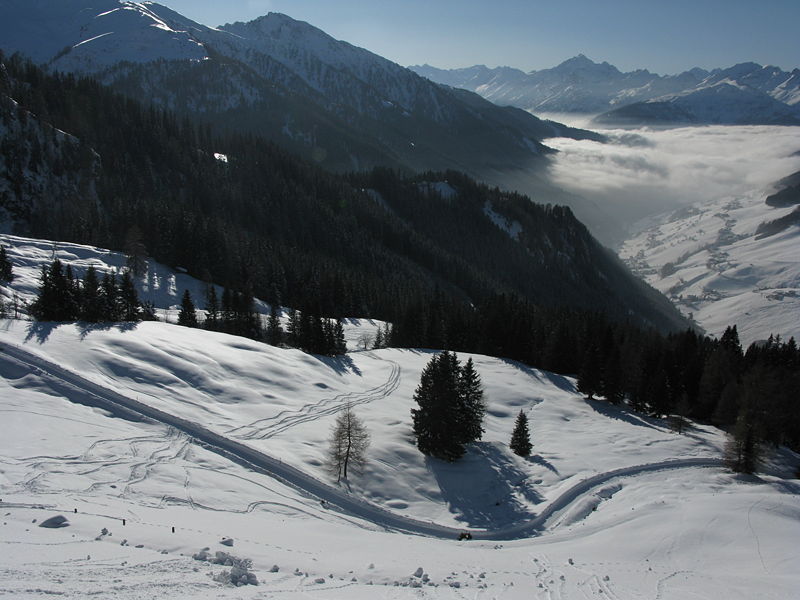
(645,172)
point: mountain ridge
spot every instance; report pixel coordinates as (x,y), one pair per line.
(339,105)
(581,85)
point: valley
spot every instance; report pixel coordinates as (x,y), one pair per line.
(281,318)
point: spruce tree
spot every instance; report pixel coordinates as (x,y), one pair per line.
(744,449)
(471,396)
(227,316)
(6,270)
(128,298)
(212,308)
(91,309)
(187,315)
(56,300)
(521,438)
(378,343)
(274,330)
(451,409)
(293,332)
(436,421)
(136,252)
(109,298)
(340,344)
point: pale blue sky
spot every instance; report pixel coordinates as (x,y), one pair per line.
(665,36)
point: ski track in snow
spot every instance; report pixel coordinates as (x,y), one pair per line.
(270,426)
(96,395)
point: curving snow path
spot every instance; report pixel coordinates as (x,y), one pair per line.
(107,399)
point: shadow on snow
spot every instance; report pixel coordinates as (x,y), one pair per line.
(485,489)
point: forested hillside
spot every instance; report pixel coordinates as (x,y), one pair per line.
(244,213)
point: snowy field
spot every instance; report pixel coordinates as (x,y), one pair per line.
(611,525)
(722,272)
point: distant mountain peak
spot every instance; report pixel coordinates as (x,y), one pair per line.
(581,60)
(580,85)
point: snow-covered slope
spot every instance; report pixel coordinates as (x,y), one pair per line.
(632,535)
(620,505)
(713,261)
(88,35)
(723,103)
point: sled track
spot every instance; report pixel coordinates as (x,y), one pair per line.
(271,426)
(92,394)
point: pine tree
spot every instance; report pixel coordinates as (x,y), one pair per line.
(227,315)
(378,343)
(187,315)
(451,408)
(128,298)
(56,299)
(274,330)
(212,308)
(340,344)
(136,252)
(109,298)
(471,396)
(744,449)
(91,309)
(678,421)
(436,421)
(521,438)
(293,331)
(6,270)
(348,444)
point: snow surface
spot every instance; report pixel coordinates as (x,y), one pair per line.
(616,530)
(87,36)
(512,228)
(722,272)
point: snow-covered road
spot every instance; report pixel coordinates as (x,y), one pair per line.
(78,388)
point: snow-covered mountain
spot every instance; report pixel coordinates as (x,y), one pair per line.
(580,85)
(733,260)
(726,102)
(88,36)
(340,105)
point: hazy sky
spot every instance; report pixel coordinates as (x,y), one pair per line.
(663,36)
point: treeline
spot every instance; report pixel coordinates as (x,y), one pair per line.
(63,297)
(235,313)
(683,374)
